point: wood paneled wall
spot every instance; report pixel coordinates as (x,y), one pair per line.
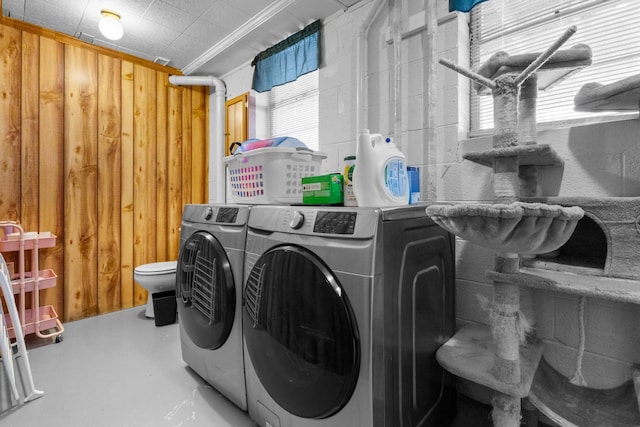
(103,152)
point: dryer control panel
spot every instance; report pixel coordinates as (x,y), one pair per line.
(326,222)
(343,223)
(333,222)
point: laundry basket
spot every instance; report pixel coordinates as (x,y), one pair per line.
(271,175)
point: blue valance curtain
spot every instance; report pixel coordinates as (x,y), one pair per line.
(298,54)
(463,5)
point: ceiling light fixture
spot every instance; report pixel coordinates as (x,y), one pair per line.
(110,25)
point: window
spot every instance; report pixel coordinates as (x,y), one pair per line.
(609,27)
(294,109)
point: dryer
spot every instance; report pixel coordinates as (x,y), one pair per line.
(344,309)
(209,280)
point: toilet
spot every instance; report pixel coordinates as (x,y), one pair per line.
(155,277)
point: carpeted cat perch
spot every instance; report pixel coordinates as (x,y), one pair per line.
(617,96)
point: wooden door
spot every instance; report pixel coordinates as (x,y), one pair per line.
(236,121)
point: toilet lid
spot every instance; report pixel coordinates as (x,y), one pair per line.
(165,267)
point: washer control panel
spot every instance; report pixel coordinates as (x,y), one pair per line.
(227,215)
(215,214)
(224,215)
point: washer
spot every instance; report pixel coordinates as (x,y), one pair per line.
(344,309)
(209,278)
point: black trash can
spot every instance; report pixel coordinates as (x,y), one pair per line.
(164,307)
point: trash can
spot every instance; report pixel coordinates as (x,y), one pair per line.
(164,307)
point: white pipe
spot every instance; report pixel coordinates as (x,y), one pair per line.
(429,179)
(361,65)
(396,31)
(196,81)
(217,133)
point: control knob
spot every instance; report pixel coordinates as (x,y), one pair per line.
(297,220)
(207,214)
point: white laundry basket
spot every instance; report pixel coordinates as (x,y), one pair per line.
(271,175)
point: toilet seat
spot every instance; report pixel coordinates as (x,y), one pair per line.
(156,268)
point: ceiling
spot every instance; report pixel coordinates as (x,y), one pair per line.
(199,37)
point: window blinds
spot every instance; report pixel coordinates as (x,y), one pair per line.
(519,26)
(295,109)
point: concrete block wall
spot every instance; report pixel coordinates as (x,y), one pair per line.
(338,84)
(600,160)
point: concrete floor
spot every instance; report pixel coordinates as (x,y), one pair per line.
(119,370)
(113,370)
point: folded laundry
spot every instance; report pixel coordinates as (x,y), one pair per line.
(255,143)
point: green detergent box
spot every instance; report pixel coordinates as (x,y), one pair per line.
(322,189)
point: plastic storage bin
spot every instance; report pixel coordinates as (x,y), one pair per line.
(165,307)
(271,175)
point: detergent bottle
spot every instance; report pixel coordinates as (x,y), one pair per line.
(349,167)
(380,174)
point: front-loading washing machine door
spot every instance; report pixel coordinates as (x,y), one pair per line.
(205,290)
(300,332)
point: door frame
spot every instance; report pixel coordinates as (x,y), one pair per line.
(232,121)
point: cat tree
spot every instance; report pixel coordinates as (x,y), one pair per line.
(502,359)
(520,222)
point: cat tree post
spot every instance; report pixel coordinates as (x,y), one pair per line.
(506,184)
(504,329)
(528,174)
(528,134)
(506,296)
(528,120)
(506,188)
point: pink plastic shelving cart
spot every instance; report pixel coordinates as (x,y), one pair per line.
(40,320)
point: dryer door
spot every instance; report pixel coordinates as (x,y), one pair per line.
(300,332)
(205,290)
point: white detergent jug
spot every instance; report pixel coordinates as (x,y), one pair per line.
(380,174)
